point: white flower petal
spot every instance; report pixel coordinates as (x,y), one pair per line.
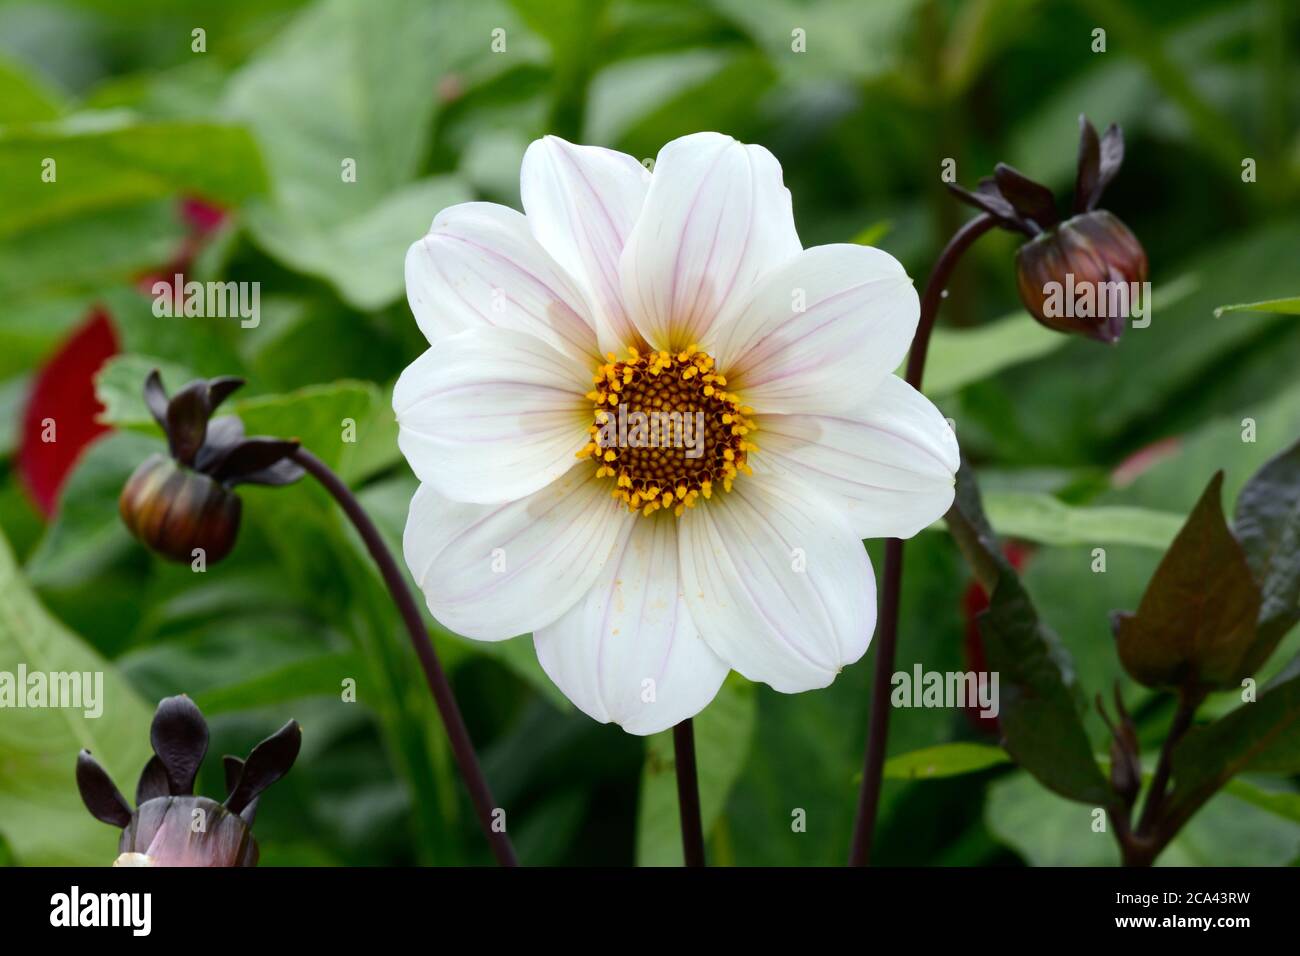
(629,652)
(819,333)
(494,571)
(717,217)
(888,469)
(491,415)
(479,265)
(582,202)
(780,589)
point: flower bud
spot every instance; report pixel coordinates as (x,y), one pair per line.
(185,503)
(1085,275)
(186,831)
(170,825)
(176,511)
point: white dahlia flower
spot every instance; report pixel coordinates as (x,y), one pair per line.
(652,429)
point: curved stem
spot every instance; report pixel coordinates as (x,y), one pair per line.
(688,793)
(892,584)
(461,745)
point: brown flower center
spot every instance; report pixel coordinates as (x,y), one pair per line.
(666,430)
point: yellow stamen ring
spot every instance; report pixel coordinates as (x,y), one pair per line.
(649,411)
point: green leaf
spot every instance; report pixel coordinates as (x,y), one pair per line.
(959,357)
(723,732)
(1261,736)
(13,398)
(1284,803)
(807,750)
(1048,520)
(87,535)
(85,253)
(1289,306)
(1086,403)
(370,74)
(622,94)
(873,233)
(349,424)
(119,386)
(41,814)
(109,160)
(1267,524)
(22,98)
(846,40)
(1176,479)
(1045,831)
(361,256)
(1038,716)
(1195,625)
(321,675)
(945,760)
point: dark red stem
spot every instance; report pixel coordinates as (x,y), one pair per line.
(887,640)
(461,745)
(688,793)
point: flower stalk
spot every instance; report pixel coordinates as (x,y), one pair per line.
(688,793)
(887,641)
(461,745)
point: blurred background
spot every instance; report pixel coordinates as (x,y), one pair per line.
(218,155)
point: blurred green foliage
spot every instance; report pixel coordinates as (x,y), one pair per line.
(262,122)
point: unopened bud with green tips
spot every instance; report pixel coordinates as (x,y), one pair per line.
(184,505)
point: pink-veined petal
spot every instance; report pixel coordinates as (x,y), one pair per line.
(582,202)
(888,469)
(716,218)
(479,265)
(494,571)
(628,652)
(820,332)
(491,415)
(779,588)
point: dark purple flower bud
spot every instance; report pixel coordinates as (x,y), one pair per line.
(176,511)
(186,831)
(185,504)
(1086,275)
(171,826)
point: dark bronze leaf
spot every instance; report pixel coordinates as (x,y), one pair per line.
(1038,715)
(1196,622)
(1267,523)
